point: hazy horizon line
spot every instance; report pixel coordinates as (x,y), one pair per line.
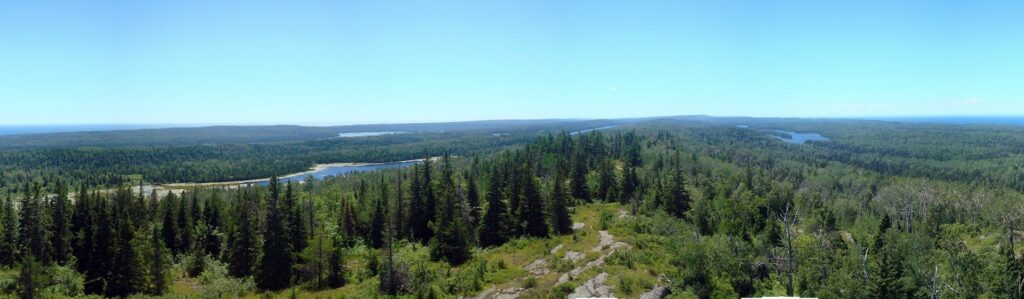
(356,123)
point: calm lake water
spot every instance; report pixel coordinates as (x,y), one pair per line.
(800,138)
(368,134)
(591,130)
(340,171)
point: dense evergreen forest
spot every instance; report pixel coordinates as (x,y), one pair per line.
(213,154)
(703,209)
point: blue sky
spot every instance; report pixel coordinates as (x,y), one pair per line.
(341,62)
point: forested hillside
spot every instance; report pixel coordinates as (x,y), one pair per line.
(684,209)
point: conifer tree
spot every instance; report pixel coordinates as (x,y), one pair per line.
(376,235)
(296,227)
(184,227)
(494,230)
(532,212)
(579,178)
(679,198)
(8,233)
(61,224)
(212,218)
(629,184)
(473,202)
(560,219)
(346,223)
(125,275)
(100,257)
(606,181)
(449,242)
(157,260)
(82,228)
(34,237)
(424,204)
(275,267)
(30,278)
(336,266)
(169,227)
(399,207)
(241,252)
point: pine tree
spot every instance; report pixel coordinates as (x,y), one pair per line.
(212,218)
(560,219)
(8,233)
(579,178)
(606,181)
(449,242)
(473,201)
(679,198)
(184,226)
(376,235)
(390,283)
(494,230)
(169,227)
(30,278)
(629,184)
(275,267)
(424,204)
(82,228)
(296,228)
(157,259)
(100,256)
(61,225)
(34,237)
(241,251)
(346,223)
(125,275)
(153,206)
(531,213)
(336,266)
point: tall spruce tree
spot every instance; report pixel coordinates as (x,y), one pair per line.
(184,226)
(212,218)
(296,227)
(241,251)
(424,203)
(8,233)
(449,242)
(473,202)
(679,198)
(628,185)
(156,258)
(579,178)
(376,234)
(82,229)
(606,180)
(61,224)
(531,212)
(494,229)
(100,255)
(561,222)
(33,235)
(275,267)
(125,276)
(169,227)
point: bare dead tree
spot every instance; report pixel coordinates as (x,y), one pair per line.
(788,217)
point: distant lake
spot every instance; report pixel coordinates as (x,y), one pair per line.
(798,138)
(368,134)
(340,170)
(591,130)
